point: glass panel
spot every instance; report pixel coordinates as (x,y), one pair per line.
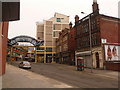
(58,20)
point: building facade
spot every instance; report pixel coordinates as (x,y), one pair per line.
(49,32)
(9,12)
(64,53)
(66,46)
(94,33)
(72,44)
(1,47)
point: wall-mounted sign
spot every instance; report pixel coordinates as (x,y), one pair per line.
(9,10)
(104,40)
(112,53)
(29,39)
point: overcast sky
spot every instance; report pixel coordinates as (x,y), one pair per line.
(32,11)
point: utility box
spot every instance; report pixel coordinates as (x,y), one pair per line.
(80,63)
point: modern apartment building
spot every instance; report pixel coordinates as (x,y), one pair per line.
(49,31)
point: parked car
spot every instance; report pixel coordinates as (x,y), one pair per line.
(25,64)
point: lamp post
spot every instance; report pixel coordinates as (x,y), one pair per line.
(90,37)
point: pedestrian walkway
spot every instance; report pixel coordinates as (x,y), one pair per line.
(20,78)
(106,73)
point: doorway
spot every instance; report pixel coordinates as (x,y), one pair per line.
(97,60)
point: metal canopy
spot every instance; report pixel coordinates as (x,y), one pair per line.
(24,38)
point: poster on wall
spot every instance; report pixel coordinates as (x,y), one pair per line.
(112,53)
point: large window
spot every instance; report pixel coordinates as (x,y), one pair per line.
(58,20)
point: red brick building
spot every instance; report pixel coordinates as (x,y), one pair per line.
(102,31)
(66,45)
(10,12)
(62,46)
(72,44)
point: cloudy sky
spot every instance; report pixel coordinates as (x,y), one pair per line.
(32,11)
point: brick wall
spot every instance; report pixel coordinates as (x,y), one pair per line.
(72,40)
(109,30)
(0,48)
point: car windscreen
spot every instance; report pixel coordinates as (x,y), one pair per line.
(26,63)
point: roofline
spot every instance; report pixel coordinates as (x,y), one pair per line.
(109,16)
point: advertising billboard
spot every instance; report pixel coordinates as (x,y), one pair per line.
(112,53)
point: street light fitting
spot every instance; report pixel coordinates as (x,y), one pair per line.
(82,12)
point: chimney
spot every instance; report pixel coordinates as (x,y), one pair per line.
(70,25)
(95,6)
(76,18)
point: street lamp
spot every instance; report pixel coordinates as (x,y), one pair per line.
(90,36)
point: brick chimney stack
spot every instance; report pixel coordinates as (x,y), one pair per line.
(76,18)
(95,6)
(70,25)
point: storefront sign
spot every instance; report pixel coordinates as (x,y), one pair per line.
(83,53)
(112,53)
(29,39)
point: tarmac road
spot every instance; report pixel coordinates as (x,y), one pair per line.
(81,79)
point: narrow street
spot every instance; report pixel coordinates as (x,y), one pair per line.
(68,74)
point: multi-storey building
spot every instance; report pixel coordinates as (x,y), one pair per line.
(66,46)
(97,40)
(16,53)
(72,44)
(63,37)
(49,32)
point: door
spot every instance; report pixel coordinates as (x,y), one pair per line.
(97,60)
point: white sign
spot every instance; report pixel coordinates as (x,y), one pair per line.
(112,53)
(104,40)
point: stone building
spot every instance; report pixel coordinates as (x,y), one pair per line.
(48,31)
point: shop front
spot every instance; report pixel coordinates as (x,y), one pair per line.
(65,58)
(92,59)
(87,58)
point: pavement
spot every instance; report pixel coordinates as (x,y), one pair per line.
(106,73)
(20,78)
(99,72)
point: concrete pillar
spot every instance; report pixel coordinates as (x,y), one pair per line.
(35,54)
(45,54)
(11,54)
(94,60)
(101,59)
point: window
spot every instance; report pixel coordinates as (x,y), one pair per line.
(38,37)
(53,34)
(56,34)
(58,20)
(48,49)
